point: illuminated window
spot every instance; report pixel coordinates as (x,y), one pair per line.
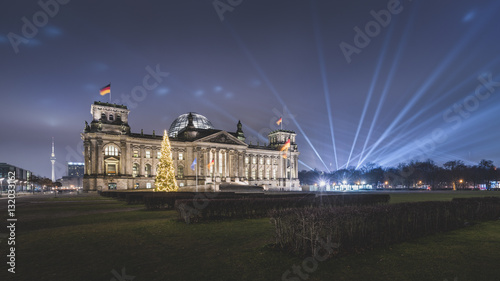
(180,172)
(254,160)
(260,174)
(111,150)
(274,173)
(253,173)
(111,169)
(148,154)
(158,154)
(148,185)
(261,161)
(246,160)
(181,157)
(136,153)
(246,173)
(268,161)
(267,173)
(135,170)
(181,184)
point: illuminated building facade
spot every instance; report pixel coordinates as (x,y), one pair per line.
(22,177)
(116,158)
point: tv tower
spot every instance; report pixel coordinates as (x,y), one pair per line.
(53,160)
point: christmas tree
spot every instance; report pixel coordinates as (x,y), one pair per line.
(165,175)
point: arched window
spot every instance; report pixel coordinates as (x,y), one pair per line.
(135,170)
(147,170)
(111,150)
(111,117)
(180,172)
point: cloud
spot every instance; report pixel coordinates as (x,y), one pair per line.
(162,91)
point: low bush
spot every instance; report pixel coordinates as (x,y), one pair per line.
(357,228)
(200,209)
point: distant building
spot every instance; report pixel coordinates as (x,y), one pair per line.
(74,179)
(22,177)
(116,158)
(75,169)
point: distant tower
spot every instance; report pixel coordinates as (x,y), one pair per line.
(53,160)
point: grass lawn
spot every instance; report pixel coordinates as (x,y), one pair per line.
(89,237)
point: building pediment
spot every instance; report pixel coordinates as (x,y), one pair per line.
(222,137)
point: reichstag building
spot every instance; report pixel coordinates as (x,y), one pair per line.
(116,158)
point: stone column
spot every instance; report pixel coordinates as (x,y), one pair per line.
(99,156)
(123,158)
(142,165)
(86,156)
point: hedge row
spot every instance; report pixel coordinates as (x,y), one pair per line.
(201,209)
(357,228)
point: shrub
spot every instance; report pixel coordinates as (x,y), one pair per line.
(199,209)
(358,228)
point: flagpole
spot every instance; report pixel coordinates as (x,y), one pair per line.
(196,167)
(109,92)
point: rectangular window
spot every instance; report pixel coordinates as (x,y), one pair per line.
(148,154)
(261,161)
(136,153)
(181,157)
(267,173)
(268,161)
(274,173)
(111,169)
(254,160)
(246,160)
(260,174)
(253,174)
(148,185)
(158,154)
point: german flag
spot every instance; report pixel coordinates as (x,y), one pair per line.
(105,90)
(210,164)
(279,121)
(286,145)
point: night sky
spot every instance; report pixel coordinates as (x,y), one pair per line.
(422,85)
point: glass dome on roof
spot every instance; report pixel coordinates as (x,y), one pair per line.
(181,122)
